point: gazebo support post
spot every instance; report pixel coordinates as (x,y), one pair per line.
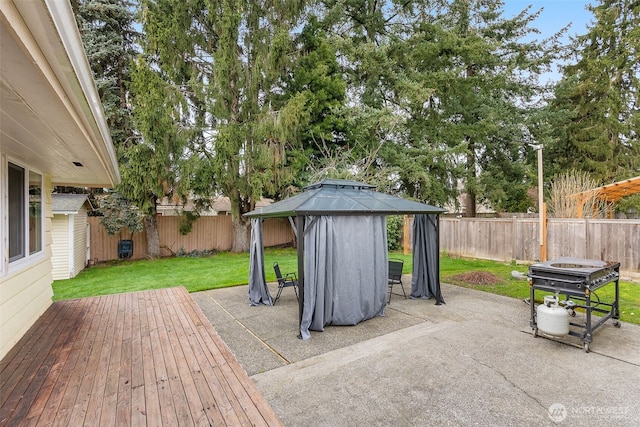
(300,232)
(437,224)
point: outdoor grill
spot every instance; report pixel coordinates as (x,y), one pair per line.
(578,280)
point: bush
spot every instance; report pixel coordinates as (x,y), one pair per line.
(182,253)
(395,225)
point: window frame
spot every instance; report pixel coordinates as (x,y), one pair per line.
(8,267)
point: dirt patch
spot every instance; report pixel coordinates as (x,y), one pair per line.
(475,278)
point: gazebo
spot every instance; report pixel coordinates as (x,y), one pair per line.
(341,233)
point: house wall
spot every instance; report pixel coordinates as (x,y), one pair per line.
(26,294)
(60,246)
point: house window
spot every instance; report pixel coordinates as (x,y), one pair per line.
(25,212)
(16,212)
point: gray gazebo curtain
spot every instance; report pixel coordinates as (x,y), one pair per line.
(258,290)
(425,282)
(345,271)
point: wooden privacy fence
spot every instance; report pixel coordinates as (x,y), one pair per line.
(500,239)
(208,232)
(506,239)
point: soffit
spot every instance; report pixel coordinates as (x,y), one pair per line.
(50,116)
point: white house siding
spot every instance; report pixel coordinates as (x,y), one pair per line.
(60,246)
(79,242)
(25,295)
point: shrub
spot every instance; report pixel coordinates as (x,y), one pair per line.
(394,231)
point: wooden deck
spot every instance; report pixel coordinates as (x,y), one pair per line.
(144,358)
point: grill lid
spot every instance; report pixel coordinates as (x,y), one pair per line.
(567,267)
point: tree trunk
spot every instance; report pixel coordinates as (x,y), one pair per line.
(153,238)
(470,202)
(241,230)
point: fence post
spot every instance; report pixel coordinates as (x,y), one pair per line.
(587,238)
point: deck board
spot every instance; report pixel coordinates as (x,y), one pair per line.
(144,358)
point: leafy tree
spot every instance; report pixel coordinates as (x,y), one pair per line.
(314,73)
(151,162)
(227,60)
(118,214)
(484,103)
(134,97)
(373,43)
(460,83)
(629,205)
(597,102)
(395,228)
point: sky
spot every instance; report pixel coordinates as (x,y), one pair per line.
(556,14)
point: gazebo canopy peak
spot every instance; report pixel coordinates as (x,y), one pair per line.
(342,197)
(339,184)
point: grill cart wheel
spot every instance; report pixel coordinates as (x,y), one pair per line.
(535,332)
(586,347)
(616,324)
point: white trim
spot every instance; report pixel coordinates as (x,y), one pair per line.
(71,266)
(47,32)
(65,22)
(4,229)
(11,267)
(87,249)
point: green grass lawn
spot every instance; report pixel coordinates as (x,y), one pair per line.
(228,269)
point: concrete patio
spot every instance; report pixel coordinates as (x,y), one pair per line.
(472,361)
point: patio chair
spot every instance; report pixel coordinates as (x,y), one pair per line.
(289,280)
(395,276)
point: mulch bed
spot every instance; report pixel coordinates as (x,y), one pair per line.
(475,278)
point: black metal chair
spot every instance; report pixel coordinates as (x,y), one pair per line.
(289,280)
(395,276)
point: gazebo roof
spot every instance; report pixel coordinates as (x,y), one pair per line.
(342,197)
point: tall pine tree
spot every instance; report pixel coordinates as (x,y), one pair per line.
(459,80)
(597,102)
(109,39)
(226,58)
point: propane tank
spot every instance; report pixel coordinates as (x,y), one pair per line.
(552,319)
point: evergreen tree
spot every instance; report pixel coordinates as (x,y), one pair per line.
(150,163)
(460,83)
(134,99)
(314,73)
(373,41)
(490,89)
(109,39)
(597,104)
(227,58)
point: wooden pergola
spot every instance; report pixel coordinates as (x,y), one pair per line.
(610,193)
